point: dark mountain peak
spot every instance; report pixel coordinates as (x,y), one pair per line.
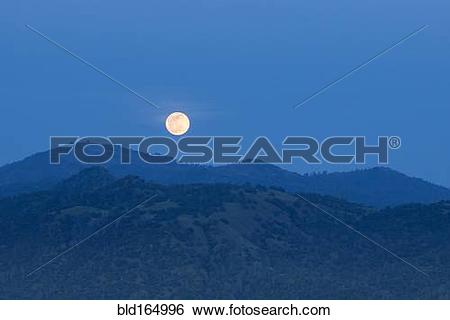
(127,184)
(130,180)
(94,172)
(124,193)
(87,180)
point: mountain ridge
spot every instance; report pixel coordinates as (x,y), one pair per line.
(215,241)
(378,186)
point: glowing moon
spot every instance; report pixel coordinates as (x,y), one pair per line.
(177,123)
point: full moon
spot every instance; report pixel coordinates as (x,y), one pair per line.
(177,123)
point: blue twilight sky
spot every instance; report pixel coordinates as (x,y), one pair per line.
(236,67)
